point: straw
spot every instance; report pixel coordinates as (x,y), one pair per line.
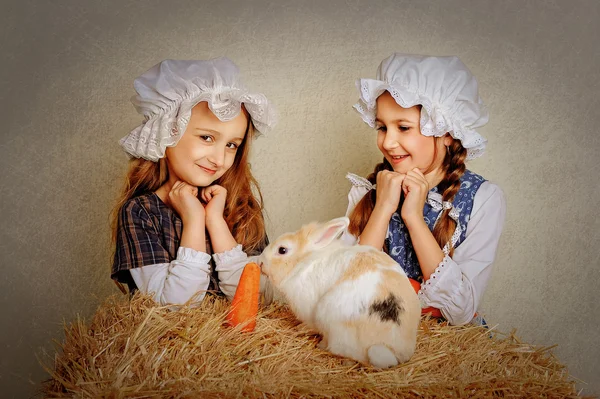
(137,349)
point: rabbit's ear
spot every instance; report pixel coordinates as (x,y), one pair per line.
(329,232)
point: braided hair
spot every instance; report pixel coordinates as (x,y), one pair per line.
(454,168)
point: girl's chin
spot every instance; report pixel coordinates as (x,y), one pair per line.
(401,169)
(203,181)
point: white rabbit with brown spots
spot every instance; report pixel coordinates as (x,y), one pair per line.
(357,297)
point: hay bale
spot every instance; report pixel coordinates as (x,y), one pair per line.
(135,349)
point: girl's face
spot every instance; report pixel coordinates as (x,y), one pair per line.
(400,140)
(207,148)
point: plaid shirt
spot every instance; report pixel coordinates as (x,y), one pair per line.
(149,233)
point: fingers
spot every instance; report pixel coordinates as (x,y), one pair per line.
(175,189)
(417,175)
(177,185)
(409,184)
(389,178)
(418,172)
(181,187)
(210,192)
(415,180)
(389,187)
(206,194)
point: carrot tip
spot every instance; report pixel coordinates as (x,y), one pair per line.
(244,306)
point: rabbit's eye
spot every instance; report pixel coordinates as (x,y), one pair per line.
(282,250)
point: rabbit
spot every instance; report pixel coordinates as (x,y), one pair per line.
(357,297)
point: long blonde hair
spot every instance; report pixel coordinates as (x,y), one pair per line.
(243,209)
(453,166)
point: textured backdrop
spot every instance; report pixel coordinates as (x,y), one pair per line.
(65,84)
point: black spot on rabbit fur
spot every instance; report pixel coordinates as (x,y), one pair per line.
(389,309)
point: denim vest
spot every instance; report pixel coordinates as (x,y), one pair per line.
(398,241)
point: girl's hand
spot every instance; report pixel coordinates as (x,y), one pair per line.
(184,199)
(389,188)
(415,188)
(214,196)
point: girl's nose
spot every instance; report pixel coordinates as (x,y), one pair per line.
(217,157)
(390,141)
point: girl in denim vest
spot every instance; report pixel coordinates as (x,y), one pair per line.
(438,220)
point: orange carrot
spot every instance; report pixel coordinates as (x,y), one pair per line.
(244,306)
(415,284)
(435,312)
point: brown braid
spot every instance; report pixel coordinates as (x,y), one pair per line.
(454,166)
(362,212)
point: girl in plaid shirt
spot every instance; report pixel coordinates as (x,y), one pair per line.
(188,219)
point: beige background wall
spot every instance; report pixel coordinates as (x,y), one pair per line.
(65,83)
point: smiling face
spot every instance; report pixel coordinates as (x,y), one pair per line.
(400,140)
(207,148)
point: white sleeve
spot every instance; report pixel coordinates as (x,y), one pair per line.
(458,283)
(230,265)
(186,277)
(354,196)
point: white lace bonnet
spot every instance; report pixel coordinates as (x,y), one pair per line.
(168,91)
(443,86)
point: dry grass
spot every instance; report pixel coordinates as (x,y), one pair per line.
(135,349)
